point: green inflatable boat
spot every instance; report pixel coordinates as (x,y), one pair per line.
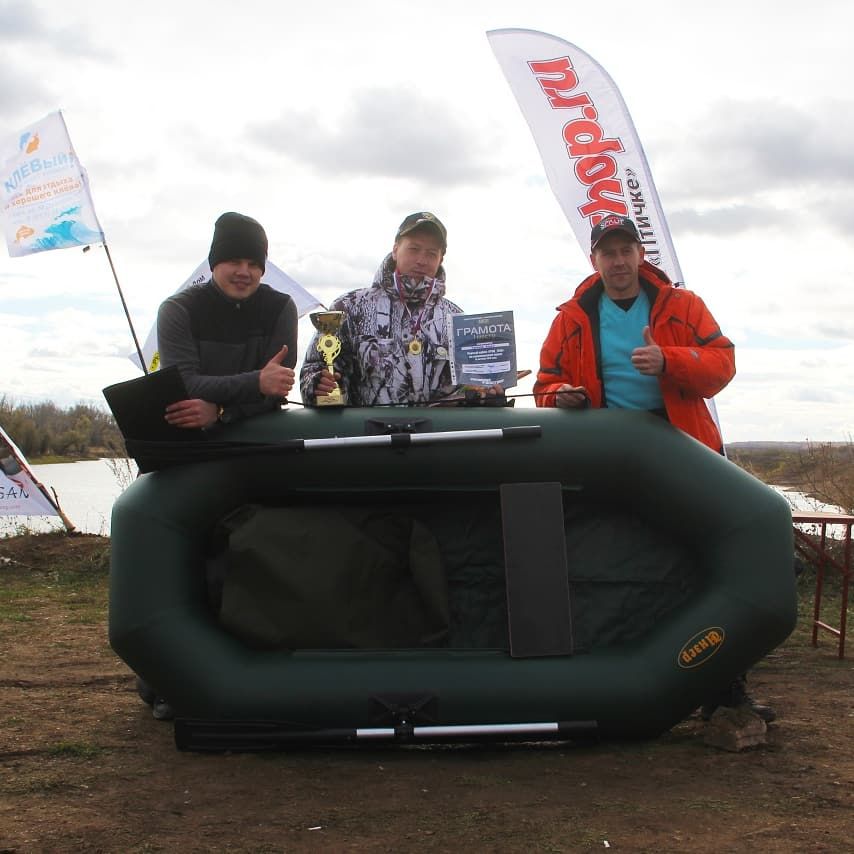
(441,574)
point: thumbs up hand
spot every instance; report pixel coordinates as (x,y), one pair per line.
(275,380)
(649,359)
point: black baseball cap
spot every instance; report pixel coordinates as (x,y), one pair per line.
(610,224)
(420,219)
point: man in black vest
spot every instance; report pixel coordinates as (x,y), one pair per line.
(233,338)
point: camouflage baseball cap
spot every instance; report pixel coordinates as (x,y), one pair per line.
(419,219)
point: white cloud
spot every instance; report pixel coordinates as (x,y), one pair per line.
(386,133)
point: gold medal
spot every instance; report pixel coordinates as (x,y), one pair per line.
(415,347)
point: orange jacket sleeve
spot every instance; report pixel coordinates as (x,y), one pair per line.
(556,366)
(699,358)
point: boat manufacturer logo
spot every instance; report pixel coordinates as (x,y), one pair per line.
(701,647)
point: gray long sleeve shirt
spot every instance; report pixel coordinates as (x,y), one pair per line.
(221,344)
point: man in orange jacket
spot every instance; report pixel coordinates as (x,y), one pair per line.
(629,339)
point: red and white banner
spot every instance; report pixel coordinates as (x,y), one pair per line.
(20,493)
(273,276)
(593,158)
(45,191)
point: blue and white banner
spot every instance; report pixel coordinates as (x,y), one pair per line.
(20,493)
(273,276)
(593,158)
(45,191)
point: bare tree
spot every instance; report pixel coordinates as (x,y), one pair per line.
(827,472)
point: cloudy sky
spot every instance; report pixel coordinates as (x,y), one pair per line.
(330,122)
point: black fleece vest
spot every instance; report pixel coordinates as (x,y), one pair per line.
(233,336)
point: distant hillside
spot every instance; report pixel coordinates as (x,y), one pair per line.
(822,470)
(752,447)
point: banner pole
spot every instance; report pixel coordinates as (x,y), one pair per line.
(125,307)
(70,527)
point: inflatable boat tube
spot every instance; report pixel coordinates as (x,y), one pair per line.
(735,533)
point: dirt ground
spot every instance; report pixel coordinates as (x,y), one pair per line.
(85,767)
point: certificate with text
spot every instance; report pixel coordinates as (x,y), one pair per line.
(483,349)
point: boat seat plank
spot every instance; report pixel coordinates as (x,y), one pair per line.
(538,605)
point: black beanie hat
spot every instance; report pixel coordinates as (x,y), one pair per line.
(238,236)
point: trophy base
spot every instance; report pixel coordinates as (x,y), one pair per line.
(334,398)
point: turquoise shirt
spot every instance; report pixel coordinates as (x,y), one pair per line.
(620,332)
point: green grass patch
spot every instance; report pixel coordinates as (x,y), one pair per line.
(36,786)
(75,749)
(86,620)
(82,596)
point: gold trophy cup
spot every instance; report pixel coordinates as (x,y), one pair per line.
(327,324)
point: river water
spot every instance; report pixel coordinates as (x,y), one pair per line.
(87,490)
